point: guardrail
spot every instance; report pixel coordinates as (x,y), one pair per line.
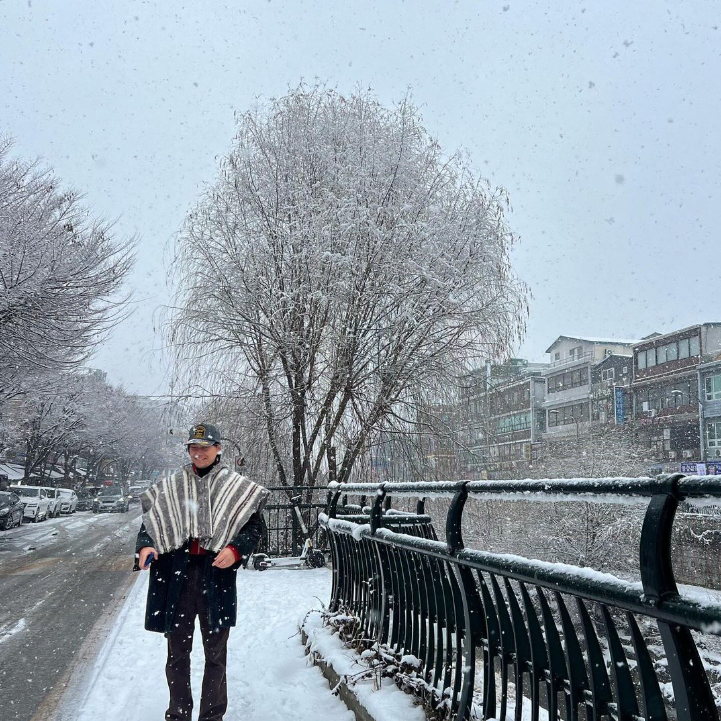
(284,533)
(571,640)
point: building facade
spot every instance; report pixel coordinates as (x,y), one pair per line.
(570,404)
(710,408)
(515,423)
(670,392)
(503,415)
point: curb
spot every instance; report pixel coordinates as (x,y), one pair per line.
(340,687)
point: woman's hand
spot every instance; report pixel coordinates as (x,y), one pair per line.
(224,559)
(146,556)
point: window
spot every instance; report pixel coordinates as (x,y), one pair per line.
(713,439)
(694,346)
(672,352)
(569,379)
(661,354)
(607,374)
(557,356)
(712,386)
(576,413)
(683,348)
(651,357)
(641,359)
(624,370)
(517,422)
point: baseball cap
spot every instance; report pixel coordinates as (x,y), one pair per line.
(203,434)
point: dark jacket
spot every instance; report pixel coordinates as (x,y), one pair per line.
(168,573)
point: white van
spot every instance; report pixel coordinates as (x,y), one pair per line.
(36,506)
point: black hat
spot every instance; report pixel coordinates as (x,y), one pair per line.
(203,434)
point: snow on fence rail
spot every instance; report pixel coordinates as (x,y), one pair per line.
(499,633)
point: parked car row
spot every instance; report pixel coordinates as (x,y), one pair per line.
(41,502)
(36,503)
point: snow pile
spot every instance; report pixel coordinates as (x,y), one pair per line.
(383,700)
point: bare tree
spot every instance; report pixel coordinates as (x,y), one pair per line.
(82,416)
(49,422)
(594,451)
(602,536)
(339,262)
(60,273)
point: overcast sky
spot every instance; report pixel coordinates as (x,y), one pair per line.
(600,118)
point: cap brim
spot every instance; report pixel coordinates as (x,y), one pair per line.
(199,442)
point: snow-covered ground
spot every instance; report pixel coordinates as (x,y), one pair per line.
(269,675)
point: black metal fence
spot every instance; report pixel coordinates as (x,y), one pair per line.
(284,534)
(544,638)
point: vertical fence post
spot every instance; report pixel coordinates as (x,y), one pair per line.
(694,699)
(295,528)
(333,504)
(454,532)
(377,509)
(470,600)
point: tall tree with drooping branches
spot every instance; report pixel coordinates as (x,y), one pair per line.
(340,263)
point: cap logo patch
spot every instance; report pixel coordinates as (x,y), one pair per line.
(199,432)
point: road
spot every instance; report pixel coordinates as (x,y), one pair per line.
(61,580)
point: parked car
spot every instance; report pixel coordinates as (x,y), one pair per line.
(111,500)
(54,500)
(36,506)
(68,500)
(11,510)
(85,501)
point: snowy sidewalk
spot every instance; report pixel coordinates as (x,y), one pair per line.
(269,675)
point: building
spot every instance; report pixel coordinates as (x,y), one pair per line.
(504,416)
(710,408)
(570,405)
(516,421)
(610,389)
(674,381)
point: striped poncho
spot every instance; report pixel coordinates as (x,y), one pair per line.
(212,509)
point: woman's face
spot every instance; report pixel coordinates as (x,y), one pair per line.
(203,456)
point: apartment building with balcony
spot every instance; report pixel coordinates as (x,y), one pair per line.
(578,367)
(675,399)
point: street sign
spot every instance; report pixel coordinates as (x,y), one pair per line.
(619,403)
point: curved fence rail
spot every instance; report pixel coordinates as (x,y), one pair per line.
(497,636)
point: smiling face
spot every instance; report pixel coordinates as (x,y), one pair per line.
(203,456)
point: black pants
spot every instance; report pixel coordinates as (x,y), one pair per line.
(214,698)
